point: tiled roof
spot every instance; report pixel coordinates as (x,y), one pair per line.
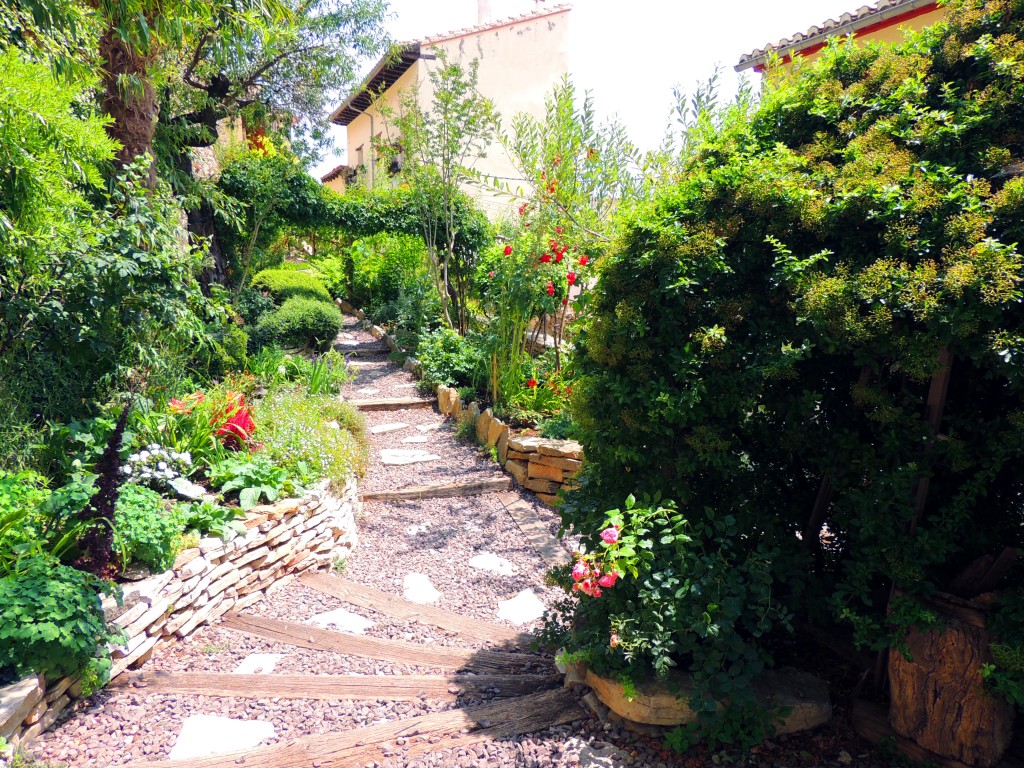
(334,173)
(538,14)
(404,55)
(883,13)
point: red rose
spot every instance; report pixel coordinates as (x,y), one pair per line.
(558,230)
(508,250)
(559,257)
(545,258)
(551,289)
(571,277)
(584,260)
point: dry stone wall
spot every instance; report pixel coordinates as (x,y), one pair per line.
(281,541)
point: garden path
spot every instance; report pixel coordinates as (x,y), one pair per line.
(414,654)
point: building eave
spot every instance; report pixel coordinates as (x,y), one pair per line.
(385,74)
(886,13)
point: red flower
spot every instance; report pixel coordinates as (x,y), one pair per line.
(522,209)
(584,260)
(531,383)
(558,230)
(508,250)
(545,258)
(565,302)
(551,288)
(571,277)
(491,273)
(559,257)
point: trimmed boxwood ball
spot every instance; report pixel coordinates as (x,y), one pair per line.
(299,322)
(284,284)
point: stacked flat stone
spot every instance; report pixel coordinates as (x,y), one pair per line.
(538,464)
(281,541)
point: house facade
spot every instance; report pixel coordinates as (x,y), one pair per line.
(885,22)
(521,59)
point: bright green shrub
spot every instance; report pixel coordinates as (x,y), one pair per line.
(146,528)
(768,331)
(391,280)
(283,284)
(297,435)
(253,304)
(51,620)
(450,359)
(300,322)
(334,274)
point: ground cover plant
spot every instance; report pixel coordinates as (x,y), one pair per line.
(768,344)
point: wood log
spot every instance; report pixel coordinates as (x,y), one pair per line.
(391,605)
(390,403)
(491,722)
(336,687)
(938,699)
(441,490)
(871,722)
(396,651)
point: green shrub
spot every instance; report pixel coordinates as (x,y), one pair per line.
(300,322)
(51,620)
(766,337)
(334,274)
(297,435)
(253,304)
(283,284)
(146,528)
(391,280)
(254,478)
(206,518)
(325,374)
(450,359)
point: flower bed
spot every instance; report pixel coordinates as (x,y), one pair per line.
(219,575)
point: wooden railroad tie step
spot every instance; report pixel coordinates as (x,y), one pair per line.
(453,729)
(395,651)
(441,490)
(396,607)
(390,403)
(336,687)
(536,530)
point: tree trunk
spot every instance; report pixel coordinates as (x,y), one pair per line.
(130,99)
(938,701)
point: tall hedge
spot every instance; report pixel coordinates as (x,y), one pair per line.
(769,329)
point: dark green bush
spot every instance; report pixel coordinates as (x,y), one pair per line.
(51,620)
(253,304)
(284,284)
(768,332)
(300,322)
(147,529)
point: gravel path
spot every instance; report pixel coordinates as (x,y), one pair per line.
(434,537)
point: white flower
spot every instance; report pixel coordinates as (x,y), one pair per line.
(153,447)
(162,465)
(143,455)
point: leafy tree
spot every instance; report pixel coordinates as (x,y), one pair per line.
(439,146)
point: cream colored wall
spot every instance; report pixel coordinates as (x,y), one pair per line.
(337,184)
(894,34)
(520,64)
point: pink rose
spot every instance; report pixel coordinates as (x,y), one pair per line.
(579,570)
(608,580)
(610,535)
(613,641)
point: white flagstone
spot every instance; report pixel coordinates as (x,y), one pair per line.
(396,456)
(488,561)
(429,427)
(393,426)
(258,664)
(204,735)
(344,620)
(416,439)
(521,609)
(416,588)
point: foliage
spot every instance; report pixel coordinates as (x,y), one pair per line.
(283,284)
(449,359)
(391,281)
(300,322)
(558,427)
(328,373)
(439,145)
(768,331)
(324,374)
(254,478)
(146,529)
(201,425)
(298,435)
(206,518)
(51,620)
(659,590)
(252,304)
(156,467)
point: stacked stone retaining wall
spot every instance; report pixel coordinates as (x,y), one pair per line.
(281,541)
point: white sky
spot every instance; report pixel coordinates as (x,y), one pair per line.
(630,53)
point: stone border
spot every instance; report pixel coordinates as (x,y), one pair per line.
(538,464)
(282,540)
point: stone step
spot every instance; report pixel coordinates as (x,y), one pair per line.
(390,403)
(441,490)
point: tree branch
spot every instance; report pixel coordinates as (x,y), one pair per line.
(187,76)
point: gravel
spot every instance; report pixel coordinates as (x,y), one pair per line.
(436,537)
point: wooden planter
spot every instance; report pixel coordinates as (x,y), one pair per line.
(938,699)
